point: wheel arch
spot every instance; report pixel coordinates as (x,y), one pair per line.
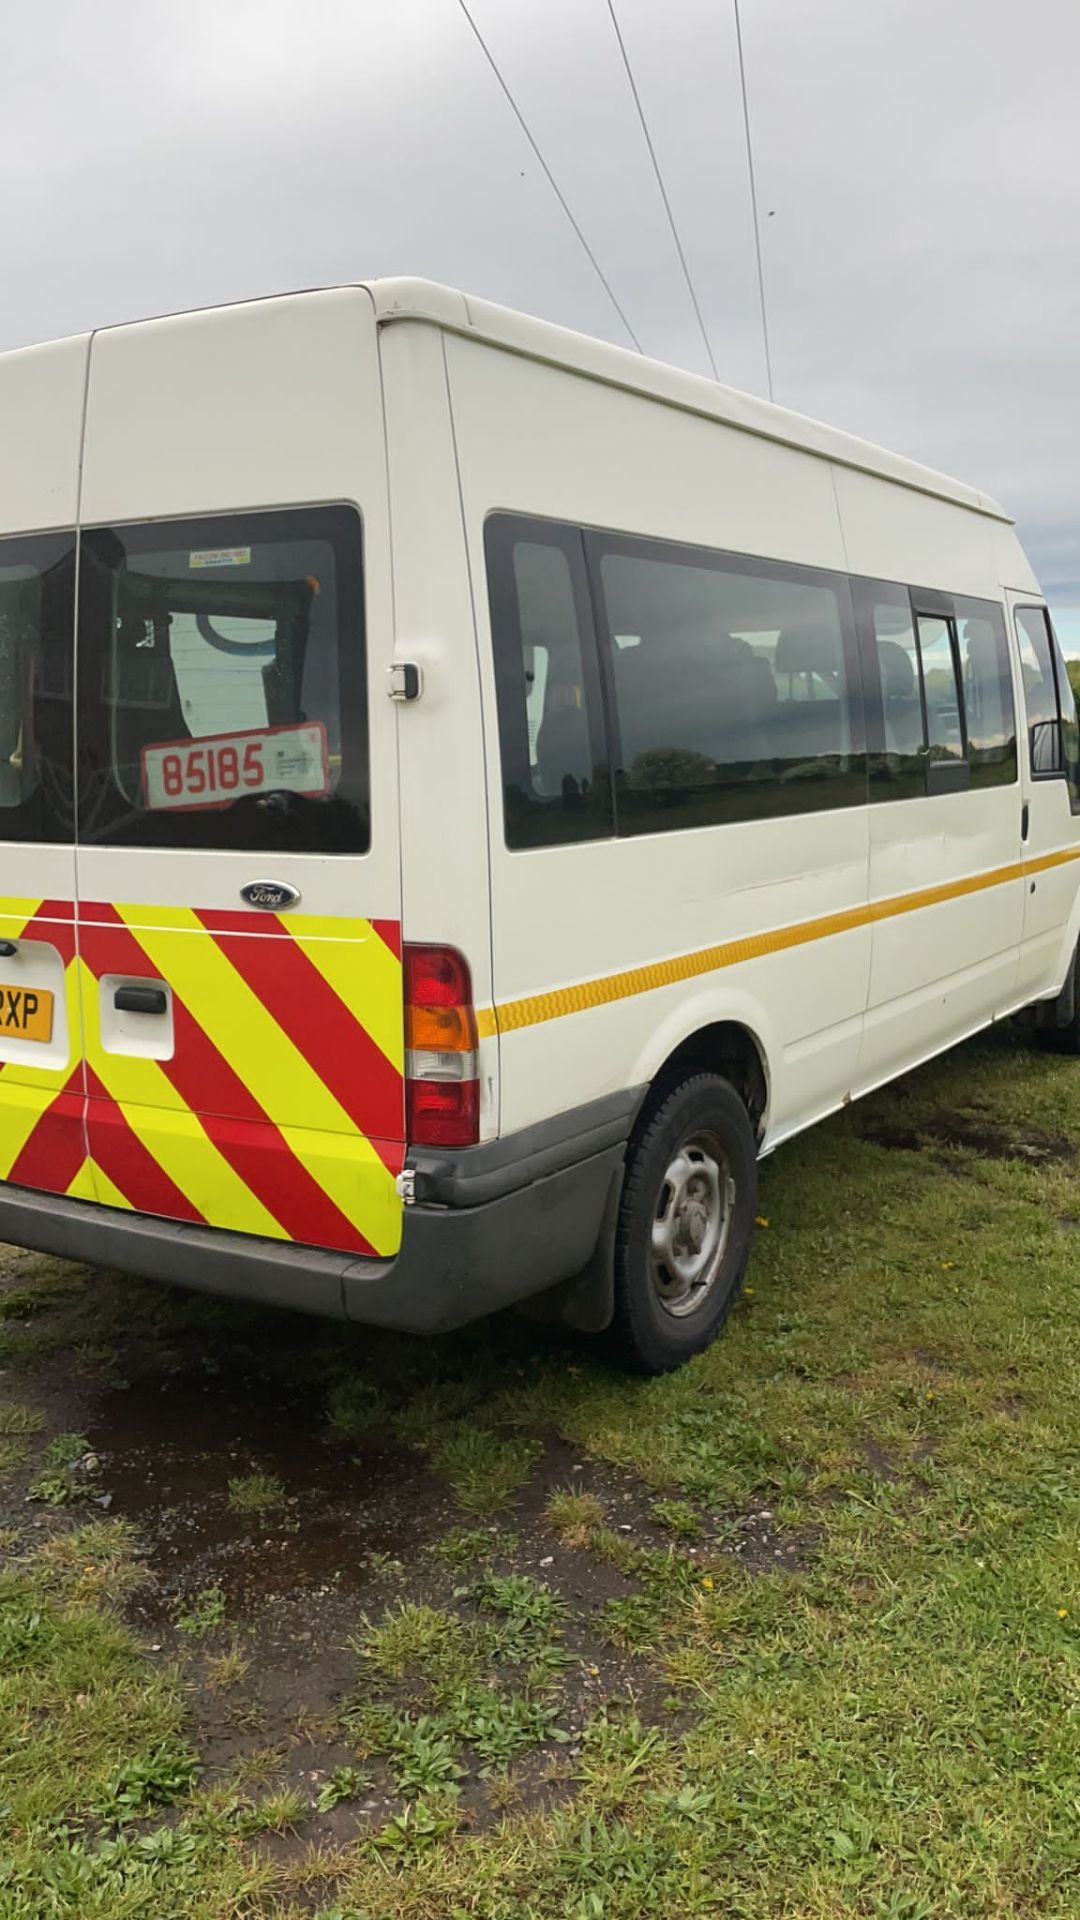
(730,1044)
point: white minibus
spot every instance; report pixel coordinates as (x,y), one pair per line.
(468,791)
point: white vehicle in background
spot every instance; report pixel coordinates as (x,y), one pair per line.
(467,791)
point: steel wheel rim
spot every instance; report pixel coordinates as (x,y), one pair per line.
(691,1225)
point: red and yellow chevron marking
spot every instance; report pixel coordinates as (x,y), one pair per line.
(42,1141)
(280,1109)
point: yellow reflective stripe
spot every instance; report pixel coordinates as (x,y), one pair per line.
(348,1168)
(82,1187)
(235,1019)
(21,1107)
(19,911)
(364,974)
(509,1015)
(104,1192)
(176,1139)
(1042,862)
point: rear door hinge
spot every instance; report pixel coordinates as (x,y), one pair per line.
(406,680)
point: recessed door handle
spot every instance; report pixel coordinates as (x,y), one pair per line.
(7,948)
(1025,820)
(140,1000)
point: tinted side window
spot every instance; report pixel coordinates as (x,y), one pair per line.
(223,684)
(37,626)
(896,725)
(734,685)
(556,785)
(1053,732)
(941,689)
(1070,727)
(988,693)
(1037,670)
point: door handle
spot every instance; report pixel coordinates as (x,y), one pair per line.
(7,948)
(1025,820)
(140,1000)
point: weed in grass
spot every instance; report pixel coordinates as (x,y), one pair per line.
(255,1493)
(575,1517)
(206,1612)
(419,1827)
(12,1453)
(529,1612)
(422,1756)
(498,1727)
(59,1484)
(65,1449)
(16,1417)
(226,1670)
(484,1469)
(345,1783)
(678,1517)
(57,1487)
(156,1778)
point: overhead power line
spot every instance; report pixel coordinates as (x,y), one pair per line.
(753,200)
(663,191)
(548,175)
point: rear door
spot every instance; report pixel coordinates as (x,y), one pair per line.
(239,903)
(42,1140)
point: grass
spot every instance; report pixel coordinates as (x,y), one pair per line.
(831,1672)
(484,1468)
(575,1517)
(255,1493)
(17,1418)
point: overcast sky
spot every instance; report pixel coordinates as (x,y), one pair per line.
(918,173)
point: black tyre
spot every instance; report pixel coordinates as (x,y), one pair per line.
(686,1218)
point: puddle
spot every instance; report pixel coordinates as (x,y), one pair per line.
(168,1447)
(977,1135)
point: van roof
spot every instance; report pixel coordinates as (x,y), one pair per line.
(407,299)
(415,299)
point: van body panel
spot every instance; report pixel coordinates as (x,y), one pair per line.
(267,1095)
(706,485)
(950,965)
(446,878)
(211,1086)
(896,533)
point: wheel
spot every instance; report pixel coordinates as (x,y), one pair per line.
(686,1217)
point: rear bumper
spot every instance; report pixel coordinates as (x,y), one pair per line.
(492,1225)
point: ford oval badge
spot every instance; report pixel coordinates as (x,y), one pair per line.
(270,894)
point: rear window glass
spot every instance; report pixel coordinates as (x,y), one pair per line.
(37,615)
(223,686)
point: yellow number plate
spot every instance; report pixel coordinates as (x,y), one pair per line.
(26,1013)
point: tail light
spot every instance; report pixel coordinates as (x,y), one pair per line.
(442,1091)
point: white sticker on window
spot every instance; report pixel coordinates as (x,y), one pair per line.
(221,557)
(182,775)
